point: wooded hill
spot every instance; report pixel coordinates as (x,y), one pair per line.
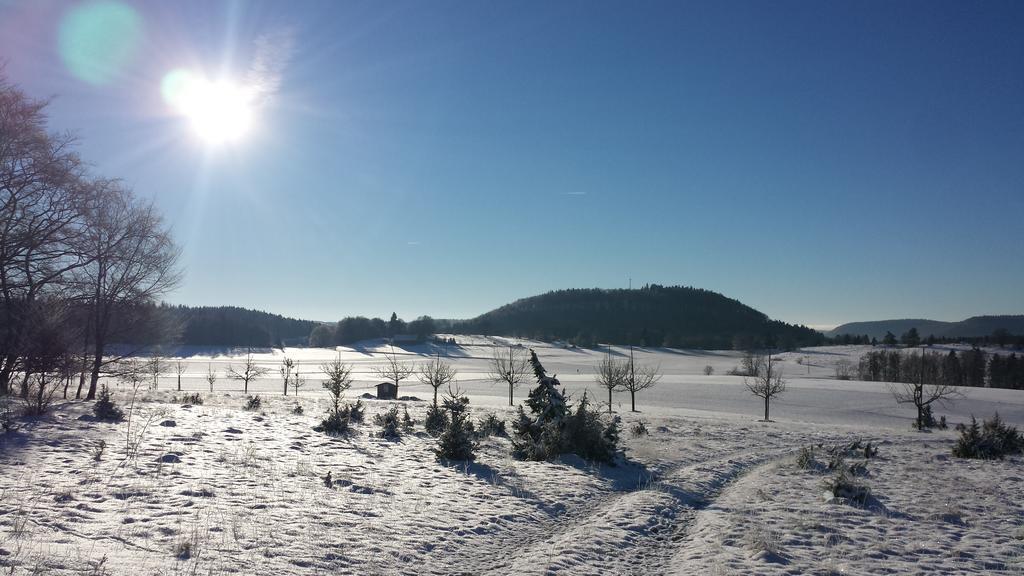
(674,316)
(234,326)
(973,327)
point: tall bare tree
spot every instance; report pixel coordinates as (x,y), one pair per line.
(42,195)
(394,370)
(922,395)
(510,367)
(767,382)
(636,378)
(133,261)
(611,375)
(249,371)
(436,373)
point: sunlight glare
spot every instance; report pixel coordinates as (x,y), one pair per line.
(219,111)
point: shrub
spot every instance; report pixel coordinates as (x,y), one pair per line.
(105,408)
(805,458)
(339,418)
(927,419)
(97,450)
(354,412)
(388,422)
(40,395)
(456,441)
(709,370)
(588,436)
(491,425)
(639,429)
(436,420)
(7,423)
(335,423)
(407,421)
(842,484)
(297,409)
(870,451)
(183,550)
(990,441)
(254,403)
(193,398)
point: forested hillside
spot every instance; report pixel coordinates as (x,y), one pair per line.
(654,315)
(973,327)
(234,326)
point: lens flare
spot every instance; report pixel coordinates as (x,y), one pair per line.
(219,111)
(96,41)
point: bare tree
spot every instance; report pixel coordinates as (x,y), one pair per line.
(844,369)
(922,396)
(435,374)
(179,369)
(211,376)
(297,380)
(637,378)
(132,261)
(287,365)
(510,367)
(611,375)
(339,379)
(249,372)
(766,383)
(42,195)
(133,373)
(155,366)
(393,370)
(750,364)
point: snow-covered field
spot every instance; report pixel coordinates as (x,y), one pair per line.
(214,489)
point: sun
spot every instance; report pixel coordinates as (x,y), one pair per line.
(219,112)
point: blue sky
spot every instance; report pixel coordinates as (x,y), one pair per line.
(823,162)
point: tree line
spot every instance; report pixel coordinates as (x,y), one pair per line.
(353,329)
(970,368)
(234,326)
(1000,337)
(82,260)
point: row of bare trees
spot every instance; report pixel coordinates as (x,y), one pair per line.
(82,259)
(615,375)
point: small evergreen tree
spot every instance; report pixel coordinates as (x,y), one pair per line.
(389,423)
(989,441)
(552,428)
(339,379)
(457,441)
(105,408)
(436,420)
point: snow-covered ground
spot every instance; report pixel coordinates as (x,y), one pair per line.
(214,489)
(814,394)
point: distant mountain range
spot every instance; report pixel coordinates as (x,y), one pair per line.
(973,327)
(672,316)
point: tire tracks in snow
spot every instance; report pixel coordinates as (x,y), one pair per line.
(620,532)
